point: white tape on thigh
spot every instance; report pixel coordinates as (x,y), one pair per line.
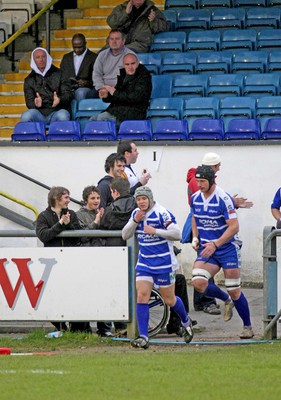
(200,273)
(232,284)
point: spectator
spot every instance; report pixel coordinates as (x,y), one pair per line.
(114,167)
(47,95)
(54,220)
(109,61)
(215,238)
(139,20)
(129,150)
(156,230)
(77,67)
(275,208)
(129,99)
(89,217)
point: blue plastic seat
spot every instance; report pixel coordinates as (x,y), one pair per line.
(238,39)
(249,62)
(187,86)
(241,129)
(269,39)
(64,130)
(170,130)
(258,17)
(168,41)
(152,61)
(165,107)
(228,18)
(223,85)
(189,20)
(171,16)
(86,108)
(268,107)
(272,129)
(180,4)
(274,61)
(99,130)
(178,63)
(29,131)
(214,3)
(135,129)
(204,107)
(236,108)
(261,85)
(214,62)
(161,86)
(249,3)
(207,129)
(203,40)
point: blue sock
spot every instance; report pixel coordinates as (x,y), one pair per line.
(179,309)
(242,308)
(214,291)
(143,318)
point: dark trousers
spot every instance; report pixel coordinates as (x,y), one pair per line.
(200,300)
(180,291)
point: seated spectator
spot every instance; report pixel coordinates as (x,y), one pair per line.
(77,67)
(139,20)
(129,99)
(47,95)
(110,60)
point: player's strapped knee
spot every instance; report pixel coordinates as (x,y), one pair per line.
(200,273)
(232,284)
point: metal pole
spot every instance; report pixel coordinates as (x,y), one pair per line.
(48,31)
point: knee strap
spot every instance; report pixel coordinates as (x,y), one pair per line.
(200,273)
(232,284)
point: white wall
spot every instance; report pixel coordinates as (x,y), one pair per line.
(252,171)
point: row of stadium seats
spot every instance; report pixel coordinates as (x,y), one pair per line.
(212,62)
(198,4)
(266,39)
(201,129)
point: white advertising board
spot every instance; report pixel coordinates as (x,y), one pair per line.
(64,284)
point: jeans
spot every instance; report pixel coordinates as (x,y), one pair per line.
(34,115)
(85,93)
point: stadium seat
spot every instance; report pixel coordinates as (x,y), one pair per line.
(207,129)
(189,20)
(238,39)
(223,85)
(248,3)
(228,18)
(99,130)
(29,131)
(187,86)
(137,130)
(170,130)
(214,3)
(268,107)
(152,61)
(168,41)
(203,40)
(165,107)
(180,4)
(86,108)
(261,85)
(274,61)
(161,85)
(236,108)
(171,16)
(249,62)
(203,107)
(241,129)
(269,39)
(259,17)
(178,63)
(214,62)
(272,129)
(64,131)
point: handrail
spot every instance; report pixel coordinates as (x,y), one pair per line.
(27,24)
(22,203)
(34,181)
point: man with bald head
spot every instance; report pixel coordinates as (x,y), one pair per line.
(129,98)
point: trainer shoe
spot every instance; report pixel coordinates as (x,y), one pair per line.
(187,332)
(247,332)
(212,309)
(228,310)
(140,342)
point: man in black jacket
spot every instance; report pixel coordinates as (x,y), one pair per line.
(129,99)
(47,95)
(77,67)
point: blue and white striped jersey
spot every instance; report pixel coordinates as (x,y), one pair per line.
(156,254)
(211,215)
(276,202)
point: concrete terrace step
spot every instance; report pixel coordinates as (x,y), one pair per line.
(90,23)
(9,122)
(11,88)
(11,110)
(16,99)
(89,33)
(97,12)
(17,77)
(65,44)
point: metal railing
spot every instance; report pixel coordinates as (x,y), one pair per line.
(270,284)
(21,202)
